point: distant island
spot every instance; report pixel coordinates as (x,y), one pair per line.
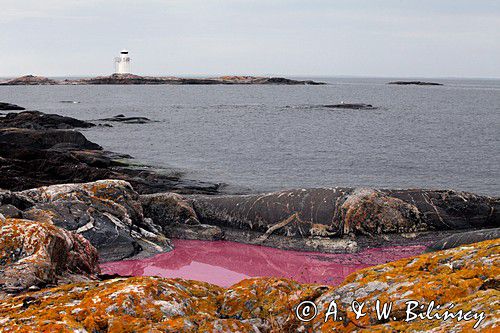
(415,83)
(137,79)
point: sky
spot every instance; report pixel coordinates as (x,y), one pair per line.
(385,38)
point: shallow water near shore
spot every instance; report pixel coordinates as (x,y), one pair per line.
(264,138)
(226,263)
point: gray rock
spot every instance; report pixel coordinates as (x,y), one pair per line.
(464,238)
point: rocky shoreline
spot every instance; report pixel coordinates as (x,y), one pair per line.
(136,79)
(65,205)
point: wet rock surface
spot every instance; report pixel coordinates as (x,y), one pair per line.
(38,120)
(465,276)
(10,107)
(415,83)
(323,219)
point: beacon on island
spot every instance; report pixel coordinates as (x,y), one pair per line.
(122,63)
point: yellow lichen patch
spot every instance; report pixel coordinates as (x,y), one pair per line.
(452,276)
(272,299)
(119,305)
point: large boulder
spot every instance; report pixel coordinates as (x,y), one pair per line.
(108,213)
(324,219)
(34,255)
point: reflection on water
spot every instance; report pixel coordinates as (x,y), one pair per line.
(225,263)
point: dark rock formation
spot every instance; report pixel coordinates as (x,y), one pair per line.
(416,83)
(35,255)
(107,213)
(136,79)
(45,156)
(351,106)
(29,80)
(128,120)
(10,107)
(464,238)
(327,219)
(39,120)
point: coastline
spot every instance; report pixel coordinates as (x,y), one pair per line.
(87,208)
(154,80)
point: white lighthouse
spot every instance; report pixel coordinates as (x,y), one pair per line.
(122,63)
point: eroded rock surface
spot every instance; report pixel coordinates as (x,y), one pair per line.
(35,254)
(324,219)
(107,213)
(466,276)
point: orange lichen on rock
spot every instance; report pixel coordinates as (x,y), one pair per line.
(466,276)
(36,254)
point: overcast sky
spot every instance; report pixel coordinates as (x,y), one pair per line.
(418,38)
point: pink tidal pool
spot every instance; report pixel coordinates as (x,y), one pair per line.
(226,263)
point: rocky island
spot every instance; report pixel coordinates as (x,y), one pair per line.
(66,205)
(415,83)
(136,79)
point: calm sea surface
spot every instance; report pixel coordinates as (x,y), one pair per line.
(273,137)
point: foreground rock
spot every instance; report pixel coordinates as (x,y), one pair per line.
(136,79)
(38,149)
(415,83)
(107,213)
(9,107)
(466,277)
(324,219)
(35,255)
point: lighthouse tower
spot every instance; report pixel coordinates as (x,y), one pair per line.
(122,63)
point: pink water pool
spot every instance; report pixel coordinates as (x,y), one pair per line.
(225,263)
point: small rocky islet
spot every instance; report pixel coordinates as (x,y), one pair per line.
(66,205)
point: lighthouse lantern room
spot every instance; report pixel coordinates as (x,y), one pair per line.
(122,63)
